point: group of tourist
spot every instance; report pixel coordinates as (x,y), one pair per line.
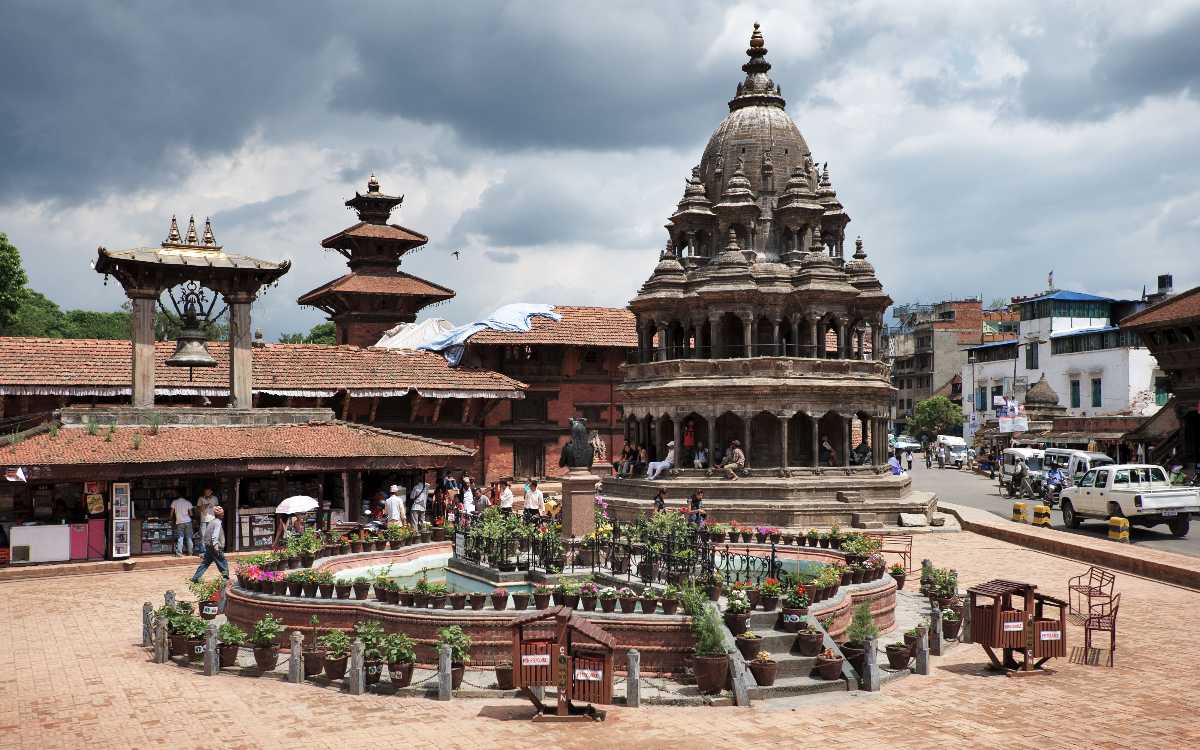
(636,460)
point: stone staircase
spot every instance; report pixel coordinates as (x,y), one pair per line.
(794,676)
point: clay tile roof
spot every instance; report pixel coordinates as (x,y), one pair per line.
(580,326)
(1181,307)
(325,440)
(366,230)
(397,283)
(102,367)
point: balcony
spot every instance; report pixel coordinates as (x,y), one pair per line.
(756,367)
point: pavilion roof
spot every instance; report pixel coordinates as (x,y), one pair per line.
(396,283)
(1182,307)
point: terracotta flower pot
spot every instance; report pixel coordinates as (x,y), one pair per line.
(541,601)
(649,604)
(714,592)
(897,655)
(393,596)
(310,589)
(587,603)
(438,601)
(504,677)
(755,596)
(749,647)
(670,606)
(439,534)
(829,669)
(712,672)
(477,600)
(314,662)
(628,604)
(361,590)
(228,654)
(950,628)
(326,590)
(176,645)
(769,603)
(737,622)
(335,669)
(499,601)
(856,654)
(401,673)
(458,600)
(343,591)
(356,546)
(764,672)
(266,657)
(899,581)
(608,605)
(195,649)
(372,671)
(571,600)
(808,642)
(520,601)
(791,618)
(456,675)
(395,543)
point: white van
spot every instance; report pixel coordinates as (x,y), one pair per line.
(1008,466)
(1073,463)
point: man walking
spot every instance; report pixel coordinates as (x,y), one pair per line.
(181,513)
(393,507)
(506,498)
(420,499)
(734,460)
(214,546)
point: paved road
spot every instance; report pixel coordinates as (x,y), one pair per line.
(977,491)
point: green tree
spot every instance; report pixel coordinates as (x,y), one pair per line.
(321,333)
(36,315)
(934,416)
(12,280)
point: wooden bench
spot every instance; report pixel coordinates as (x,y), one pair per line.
(897,544)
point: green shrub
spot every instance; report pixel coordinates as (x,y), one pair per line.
(862,625)
(267,631)
(458,641)
(231,635)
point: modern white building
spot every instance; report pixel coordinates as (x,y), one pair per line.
(1072,337)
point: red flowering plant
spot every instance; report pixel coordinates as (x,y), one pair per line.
(742,586)
(771,587)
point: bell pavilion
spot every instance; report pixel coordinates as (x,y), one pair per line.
(755,327)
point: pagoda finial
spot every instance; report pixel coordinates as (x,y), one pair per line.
(173,231)
(757,88)
(208,239)
(825,176)
(372,184)
(733,241)
(190,238)
(756,39)
(859,253)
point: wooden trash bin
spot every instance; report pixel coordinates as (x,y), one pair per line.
(556,647)
(1012,617)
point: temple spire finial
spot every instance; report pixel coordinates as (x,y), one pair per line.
(859,253)
(208,239)
(173,231)
(190,238)
(372,184)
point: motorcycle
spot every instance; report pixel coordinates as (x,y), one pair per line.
(1052,492)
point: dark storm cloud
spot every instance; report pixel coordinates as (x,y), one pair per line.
(1125,71)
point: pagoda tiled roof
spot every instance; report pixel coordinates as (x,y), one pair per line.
(1181,307)
(396,283)
(367,230)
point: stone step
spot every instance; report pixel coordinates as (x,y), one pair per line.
(796,685)
(792,665)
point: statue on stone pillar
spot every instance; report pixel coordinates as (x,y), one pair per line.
(578,452)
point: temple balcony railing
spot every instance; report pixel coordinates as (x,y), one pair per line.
(766,367)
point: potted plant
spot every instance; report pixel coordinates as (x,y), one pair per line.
(764,669)
(458,599)
(499,598)
(232,638)
(477,599)
(325,583)
(774,534)
(862,627)
(404,596)
(520,599)
(569,593)
(788,537)
(370,632)
(824,539)
(308,582)
(760,534)
(311,652)
(460,651)
(835,537)
(649,601)
(438,593)
(711,663)
(541,595)
(628,599)
(713,583)
(809,640)
(504,675)
(898,655)
(951,622)
(812,537)
(897,572)
(737,611)
(426,533)
(335,649)
(438,532)
(795,607)
(342,588)
(589,592)
(421,593)
(608,599)
(295,582)
(362,585)
(400,655)
(829,665)
(768,594)
(280,584)
(747,643)
(670,600)
(266,642)
(207,593)
(193,630)
(911,636)
(357,541)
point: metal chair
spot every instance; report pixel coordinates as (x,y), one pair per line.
(1102,617)
(1083,590)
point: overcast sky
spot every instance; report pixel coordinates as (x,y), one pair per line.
(976,146)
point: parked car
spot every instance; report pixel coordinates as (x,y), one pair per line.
(1073,463)
(1032,457)
(1140,492)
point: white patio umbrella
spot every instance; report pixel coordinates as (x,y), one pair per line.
(297,504)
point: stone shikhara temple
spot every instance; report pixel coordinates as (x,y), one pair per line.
(755,327)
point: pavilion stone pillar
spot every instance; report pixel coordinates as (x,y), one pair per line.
(678,422)
(748,334)
(715,343)
(663,330)
(843,338)
(775,336)
(143,347)
(712,438)
(816,440)
(813,326)
(846,440)
(746,421)
(241,368)
(876,342)
(783,435)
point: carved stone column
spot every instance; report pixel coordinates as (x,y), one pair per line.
(775,336)
(748,333)
(241,366)
(746,420)
(813,327)
(816,440)
(716,344)
(783,434)
(847,440)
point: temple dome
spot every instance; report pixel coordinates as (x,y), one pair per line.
(1041,394)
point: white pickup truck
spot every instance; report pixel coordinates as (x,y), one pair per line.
(1139,492)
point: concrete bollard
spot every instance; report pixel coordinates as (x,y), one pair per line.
(162,649)
(869,679)
(1041,516)
(445,678)
(633,678)
(1118,529)
(964,630)
(169,598)
(147,624)
(212,656)
(296,658)
(922,666)
(935,631)
(355,674)
(1018,513)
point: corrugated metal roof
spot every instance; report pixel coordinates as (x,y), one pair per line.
(1066,296)
(1081,331)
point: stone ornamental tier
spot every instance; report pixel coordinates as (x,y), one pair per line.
(755,327)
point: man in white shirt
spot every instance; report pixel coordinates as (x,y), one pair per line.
(700,461)
(506,498)
(658,467)
(468,496)
(535,505)
(393,507)
(181,515)
(420,499)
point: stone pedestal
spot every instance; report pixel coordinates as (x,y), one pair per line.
(579,501)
